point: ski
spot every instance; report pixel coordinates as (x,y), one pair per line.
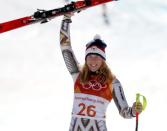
(43,16)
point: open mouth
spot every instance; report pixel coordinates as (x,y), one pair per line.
(94,65)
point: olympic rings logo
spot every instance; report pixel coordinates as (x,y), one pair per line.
(94,85)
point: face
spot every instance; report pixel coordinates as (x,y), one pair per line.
(94,62)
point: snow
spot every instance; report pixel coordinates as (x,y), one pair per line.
(36,90)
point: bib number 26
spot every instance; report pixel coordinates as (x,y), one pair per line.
(87,110)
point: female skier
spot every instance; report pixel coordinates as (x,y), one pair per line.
(94,85)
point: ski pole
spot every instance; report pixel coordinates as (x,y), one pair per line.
(144,104)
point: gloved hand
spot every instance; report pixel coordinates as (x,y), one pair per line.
(67,17)
(137,107)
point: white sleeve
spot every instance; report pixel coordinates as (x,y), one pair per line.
(67,52)
(120,100)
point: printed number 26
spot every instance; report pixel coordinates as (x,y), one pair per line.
(87,110)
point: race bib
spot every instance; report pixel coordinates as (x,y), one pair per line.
(89,106)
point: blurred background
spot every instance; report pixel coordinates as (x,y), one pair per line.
(36,90)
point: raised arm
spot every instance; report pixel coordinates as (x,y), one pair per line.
(120,100)
(65,44)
